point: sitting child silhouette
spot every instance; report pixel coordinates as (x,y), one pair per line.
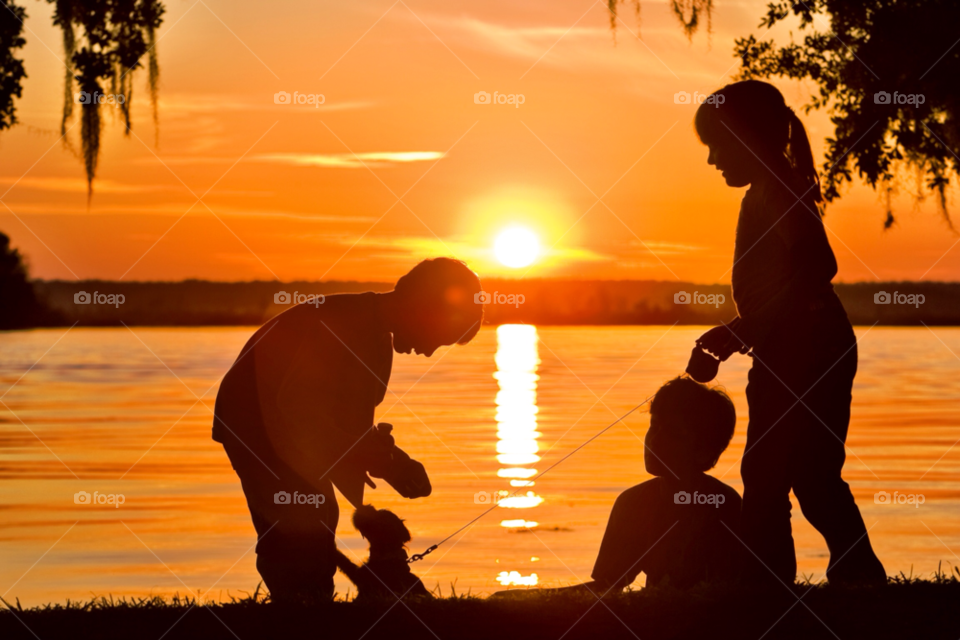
(680,527)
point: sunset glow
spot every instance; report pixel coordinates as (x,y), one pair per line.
(309,191)
(264,266)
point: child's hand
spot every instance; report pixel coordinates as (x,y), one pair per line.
(409,477)
(722,341)
(382,435)
(376,450)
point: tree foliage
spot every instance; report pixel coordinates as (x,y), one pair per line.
(104,41)
(887,72)
(11,67)
(20,307)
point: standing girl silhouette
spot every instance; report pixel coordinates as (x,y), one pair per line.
(790,320)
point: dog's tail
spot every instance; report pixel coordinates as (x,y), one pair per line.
(348,568)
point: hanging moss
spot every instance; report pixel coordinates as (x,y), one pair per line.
(104,41)
(690,13)
(152,18)
(116,35)
(62,18)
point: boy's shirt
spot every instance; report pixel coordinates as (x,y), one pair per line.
(307,385)
(680,532)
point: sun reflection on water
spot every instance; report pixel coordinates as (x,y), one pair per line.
(513,578)
(517,361)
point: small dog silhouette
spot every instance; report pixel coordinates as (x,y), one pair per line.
(386,573)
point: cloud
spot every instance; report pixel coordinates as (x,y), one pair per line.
(334,160)
(421,247)
(304,217)
(347,160)
(521,42)
(77,185)
(660,53)
(184,160)
(664,248)
(177,209)
(191,105)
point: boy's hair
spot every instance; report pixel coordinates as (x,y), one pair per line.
(448,289)
(697,414)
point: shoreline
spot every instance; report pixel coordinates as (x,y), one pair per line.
(917,608)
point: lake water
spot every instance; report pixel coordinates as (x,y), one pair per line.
(120,411)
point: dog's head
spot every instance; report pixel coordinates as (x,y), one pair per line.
(380,526)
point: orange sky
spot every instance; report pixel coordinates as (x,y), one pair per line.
(284,197)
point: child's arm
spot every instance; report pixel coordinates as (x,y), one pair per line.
(624,545)
(618,562)
(349,569)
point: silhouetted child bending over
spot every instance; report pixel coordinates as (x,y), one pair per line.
(680,527)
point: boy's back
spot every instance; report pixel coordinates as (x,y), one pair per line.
(676,532)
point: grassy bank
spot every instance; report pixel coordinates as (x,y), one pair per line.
(904,609)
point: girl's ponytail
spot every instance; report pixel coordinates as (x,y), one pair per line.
(801,158)
(756,113)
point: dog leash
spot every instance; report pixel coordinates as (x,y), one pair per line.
(420,556)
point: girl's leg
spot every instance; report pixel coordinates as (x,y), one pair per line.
(823,495)
(765,471)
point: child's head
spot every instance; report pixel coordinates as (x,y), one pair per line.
(750,131)
(690,426)
(437,305)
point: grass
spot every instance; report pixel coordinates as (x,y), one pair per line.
(906,608)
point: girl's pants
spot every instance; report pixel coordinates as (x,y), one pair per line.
(799,393)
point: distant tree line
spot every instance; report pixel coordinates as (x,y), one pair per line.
(534,301)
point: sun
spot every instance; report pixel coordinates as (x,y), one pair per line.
(516,247)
